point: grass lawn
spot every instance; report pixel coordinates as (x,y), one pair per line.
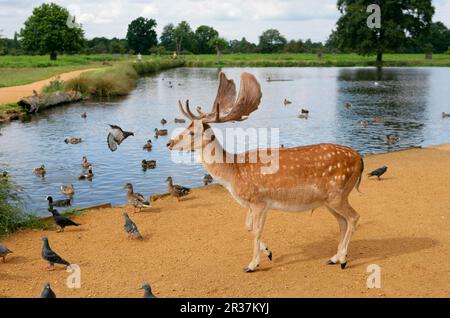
(20,70)
(273,60)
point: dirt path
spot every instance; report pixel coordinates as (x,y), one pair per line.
(198,248)
(14,93)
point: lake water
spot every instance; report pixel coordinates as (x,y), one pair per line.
(411,101)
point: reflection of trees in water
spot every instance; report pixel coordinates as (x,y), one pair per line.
(397,95)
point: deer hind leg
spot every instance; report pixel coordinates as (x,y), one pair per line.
(258,218)
(342,228)
(352,217)
(249,221)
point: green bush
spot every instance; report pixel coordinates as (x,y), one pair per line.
(12,215)
(55,86)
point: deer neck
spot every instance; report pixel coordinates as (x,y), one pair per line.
(216,163)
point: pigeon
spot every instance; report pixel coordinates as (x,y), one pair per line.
(378,173)
(116,136)
(51,257)
(62,221)
(4,251)
(207,179)
(47,292)
(131,228)
(147,291)
(57,203)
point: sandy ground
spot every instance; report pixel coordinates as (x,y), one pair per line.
(14,93)
(198,248)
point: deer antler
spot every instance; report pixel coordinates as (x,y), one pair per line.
(225,107)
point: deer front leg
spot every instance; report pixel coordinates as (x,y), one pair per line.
(259,218)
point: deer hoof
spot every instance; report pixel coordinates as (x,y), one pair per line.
(343,265)
(248,270)
(270,256)
(330,262)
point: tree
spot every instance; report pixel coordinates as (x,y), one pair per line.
(294,46)
(203,35)
(167,38)
(271,41)
(141,35)
(219,44)
(439,38)
(46,31)
(184,37)
(242,46)
(400,21)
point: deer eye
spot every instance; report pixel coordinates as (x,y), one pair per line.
(191,133)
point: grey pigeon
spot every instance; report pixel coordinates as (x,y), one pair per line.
(131,228)
(62,221)
(378,173)
(147,291)
(47,292)
(51,257)
(4,251)
(116,136)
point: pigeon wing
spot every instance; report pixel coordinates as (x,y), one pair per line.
(112,144)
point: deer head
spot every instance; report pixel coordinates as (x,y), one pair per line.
(226,108)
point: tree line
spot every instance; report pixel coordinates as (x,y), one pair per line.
(405,28)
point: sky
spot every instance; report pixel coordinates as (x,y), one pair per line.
(296,19)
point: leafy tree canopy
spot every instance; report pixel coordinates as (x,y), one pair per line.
(46,32)
(203,35)
(141,35)
(271,41)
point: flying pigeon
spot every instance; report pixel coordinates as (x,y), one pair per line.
(47,292)
(378,173)
(116,136)
(50,256)
(147,291)
(131,228)
(4,251)
(62,221)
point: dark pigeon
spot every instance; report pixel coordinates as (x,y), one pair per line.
(116,136)
(57,203)
(62,221)
(50,256)
(131,228)
(147,291)
(47,292)
(378,173)
(4,251)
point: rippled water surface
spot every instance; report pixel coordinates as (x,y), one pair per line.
(411,101)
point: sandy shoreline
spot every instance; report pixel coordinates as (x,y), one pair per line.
(198,247)
(14,93)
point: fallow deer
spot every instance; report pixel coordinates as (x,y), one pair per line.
(307,177)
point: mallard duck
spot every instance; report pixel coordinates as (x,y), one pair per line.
(378,119)
(161,132)
(391,139)
(287,102)
(57,203)
(84,115)
(180,121)
(364,123)
(348,105)
(163,121)
(85,164)
(148,146)
(40,171)
(136,200)
(68,190)
(4,251)
(207,179)
(116,136)
(72,140)
(445,115)
(87,176)
(177,191)
(150,164)
(62,221)
(305,111)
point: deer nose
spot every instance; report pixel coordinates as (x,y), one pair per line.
(169,144)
